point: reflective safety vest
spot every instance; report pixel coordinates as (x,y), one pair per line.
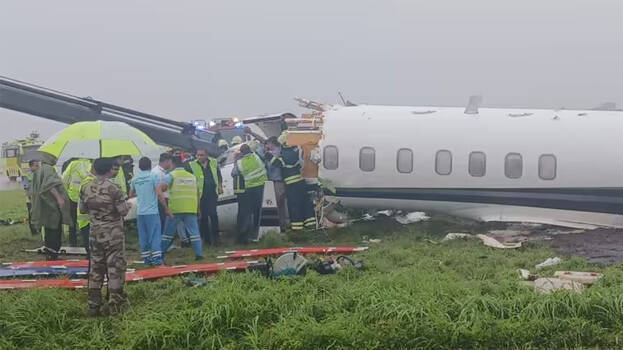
(183,192)
(77,171)
(291,165)
(83,219)
(252,169)
(197,170)
(119,180)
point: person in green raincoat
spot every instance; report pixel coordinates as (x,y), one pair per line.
(50,204)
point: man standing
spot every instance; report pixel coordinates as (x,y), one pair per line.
(210,182)
(184,207)
(118,175)
(164,165)
(146,186)
(273,170)
(300,207)
(33,165)
(84,225)
(74,174)
(50,207)
(106,205)
(251,167)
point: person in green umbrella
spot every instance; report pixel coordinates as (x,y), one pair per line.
(50,204)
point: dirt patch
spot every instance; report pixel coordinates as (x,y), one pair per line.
(600,246)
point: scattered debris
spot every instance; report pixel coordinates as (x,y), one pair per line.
(63,250)
(410,218)
(548,262)
(486,240)
(196,282)
(578,276)
(548,285)
(527,275)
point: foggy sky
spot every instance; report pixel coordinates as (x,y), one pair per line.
(200,59)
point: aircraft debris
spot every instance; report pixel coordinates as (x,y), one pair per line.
(486,240)
(549,285)
(411,218)
(548,262)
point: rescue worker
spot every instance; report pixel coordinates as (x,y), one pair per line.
(223,146)
(77,170)
(165,163)
(236,140)
(50,204)
(106,206)
(251,167)
(273,172)
(242,200)
(83,218)
(33,165)
(210,183)
(118,175)
(300,207)
(272,157)
(183,206)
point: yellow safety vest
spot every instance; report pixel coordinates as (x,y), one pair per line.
(183,192)
(83,219)
(77,171)
(195,167)
(252,169)
(119,180)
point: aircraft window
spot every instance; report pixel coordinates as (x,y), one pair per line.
(477,164)
(404,161)
(330,158)
(547,167)
(367,159)
(443,162)
(513,166)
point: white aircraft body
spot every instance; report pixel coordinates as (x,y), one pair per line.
(559,167)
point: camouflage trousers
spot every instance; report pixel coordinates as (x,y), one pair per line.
(107,258)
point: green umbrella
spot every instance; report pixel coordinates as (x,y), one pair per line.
(100,139)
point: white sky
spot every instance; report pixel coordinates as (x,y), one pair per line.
(202,59)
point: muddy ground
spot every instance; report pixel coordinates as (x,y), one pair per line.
(601,246)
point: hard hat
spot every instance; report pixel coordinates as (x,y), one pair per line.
(236,140)
(253,145)
(283,138)
(222,142)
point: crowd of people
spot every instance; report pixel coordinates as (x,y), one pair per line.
(178,196)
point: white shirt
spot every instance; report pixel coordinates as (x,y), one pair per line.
(161,173)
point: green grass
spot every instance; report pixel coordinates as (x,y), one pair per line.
(412,294)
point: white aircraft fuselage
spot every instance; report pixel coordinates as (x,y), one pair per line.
(559,167)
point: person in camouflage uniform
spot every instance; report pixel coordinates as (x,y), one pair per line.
(106,206)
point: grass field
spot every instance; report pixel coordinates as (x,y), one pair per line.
(413,294)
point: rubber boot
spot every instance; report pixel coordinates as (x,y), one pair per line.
(94,302)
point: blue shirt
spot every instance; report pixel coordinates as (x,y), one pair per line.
(145,187)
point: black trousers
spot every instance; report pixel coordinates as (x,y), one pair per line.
(84,233)
(255,196)
(52,241)
(300,206)
(242,218)
(208,224)
(33,229)
(73,228)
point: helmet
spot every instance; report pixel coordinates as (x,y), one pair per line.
(236,140)
(283,138)
(253,145)
(222,142)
